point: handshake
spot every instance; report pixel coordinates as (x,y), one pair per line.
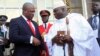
(61,38)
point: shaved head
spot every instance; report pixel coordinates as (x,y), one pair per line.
(28,10)
(27,5)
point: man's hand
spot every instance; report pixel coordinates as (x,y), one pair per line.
(43,53)
(43,34)
(67,39)
(58,40)
(36,42)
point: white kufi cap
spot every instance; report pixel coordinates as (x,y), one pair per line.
(58,3)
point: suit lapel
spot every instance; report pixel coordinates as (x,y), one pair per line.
(24,24)
(37,35)
(36,27)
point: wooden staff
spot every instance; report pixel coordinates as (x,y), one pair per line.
(70,44)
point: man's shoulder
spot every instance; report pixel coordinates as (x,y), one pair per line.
(16,19)
(74,14)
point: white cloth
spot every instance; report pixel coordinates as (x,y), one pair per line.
(96,48)
(81,33)
(4,29)
(58,3)
(96,30)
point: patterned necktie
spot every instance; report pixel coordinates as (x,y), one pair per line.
(94,23)
(30,25)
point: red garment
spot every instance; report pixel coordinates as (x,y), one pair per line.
(30,25)
(42,29)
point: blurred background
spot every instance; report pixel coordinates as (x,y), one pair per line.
(12,8)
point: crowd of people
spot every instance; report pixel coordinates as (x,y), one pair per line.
(69,35)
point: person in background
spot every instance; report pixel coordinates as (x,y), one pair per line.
(94,21)
(44,28)
(3,33)
(70,34)
(24,33)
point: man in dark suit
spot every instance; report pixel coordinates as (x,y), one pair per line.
(24,33)
(94,20)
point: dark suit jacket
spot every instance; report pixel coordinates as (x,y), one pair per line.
(20,33)
(90,22)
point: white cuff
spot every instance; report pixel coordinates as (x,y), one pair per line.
(45,38)
(31,39)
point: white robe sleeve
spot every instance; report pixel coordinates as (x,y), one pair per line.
(49,37)
(81,31)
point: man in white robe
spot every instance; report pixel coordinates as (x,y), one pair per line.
(80,33)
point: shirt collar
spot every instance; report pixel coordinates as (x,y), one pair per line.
(61,20)
(95,15)
(24,17)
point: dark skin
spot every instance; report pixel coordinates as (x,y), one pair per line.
(28,12)
(61,40)
(60,13)
(95,7)
(45,18)
(3,21)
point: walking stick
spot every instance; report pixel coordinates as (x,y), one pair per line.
(70,44)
